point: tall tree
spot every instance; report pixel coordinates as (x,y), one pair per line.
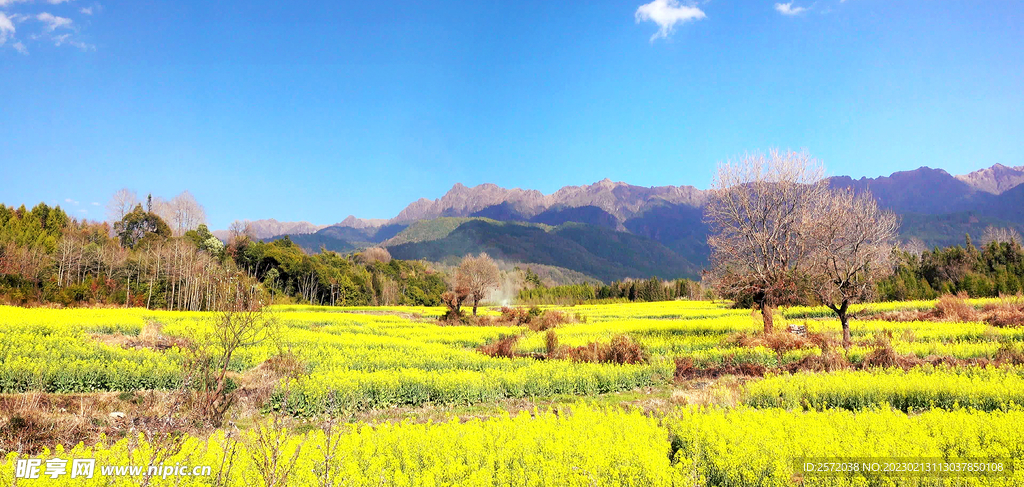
(758,210)
(854,247)
(121,203)
(137,224)
(477,275)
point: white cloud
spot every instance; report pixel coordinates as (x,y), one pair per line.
(69,200)
(667,13)
(18,46)
(81,45)
(4,3)
(57,2)
(86,10)
(789,9)
(94,203)
(52,21)
(6,29)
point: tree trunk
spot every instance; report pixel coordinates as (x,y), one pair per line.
(475,301)
(766,315)
(842,312)
(844,318)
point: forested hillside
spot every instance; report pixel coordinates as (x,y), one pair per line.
(48,257)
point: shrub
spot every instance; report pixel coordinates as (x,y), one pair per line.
(956,308)
(503,347)
(621,350)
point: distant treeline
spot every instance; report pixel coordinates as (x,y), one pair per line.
(997,268)
(46,256)
(644,290)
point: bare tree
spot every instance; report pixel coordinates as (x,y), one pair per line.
(121,203)
(477,275)
(241,321)
(453,300)
(240,228)
(182,213)
(375,254)
(914,246)
(1000,235)
(854,245)
(188,213)
(758,211)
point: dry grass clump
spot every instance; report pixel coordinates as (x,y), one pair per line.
(32,421)
(258,384)
(533,318)
(956,308)
(780,341)
(1009,353)
(621,350)
(151,336)
(687,369)
(554,351)
(504,347)
(830,359)
(1008,312)
(883,354)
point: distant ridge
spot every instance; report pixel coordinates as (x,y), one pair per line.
(612,230)
(996,179)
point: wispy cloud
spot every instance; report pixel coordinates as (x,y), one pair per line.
(86,10)
(69,200)
(667,13)
(789,9)
(18,46)
(6,28)
(53,22)
(94,203)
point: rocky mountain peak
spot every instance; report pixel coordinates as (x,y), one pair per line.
(996,179)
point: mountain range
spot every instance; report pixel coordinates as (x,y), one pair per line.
(613,230)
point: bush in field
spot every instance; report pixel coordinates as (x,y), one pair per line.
(621,350)
(956,308)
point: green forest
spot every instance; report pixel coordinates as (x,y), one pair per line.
(48,257)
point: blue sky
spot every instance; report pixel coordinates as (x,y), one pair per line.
(314,111)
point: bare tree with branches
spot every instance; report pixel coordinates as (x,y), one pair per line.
(477,275)
(1000,235)
(758,210)
(241,321)
(375,254)
(854,246)
(121,203)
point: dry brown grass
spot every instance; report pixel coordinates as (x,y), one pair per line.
(258,384)
(504,347)
(1007,313)
(554,351)
(533,318)
(33,420)
(779,341)
(687,370)
(956,308)
(621,350)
